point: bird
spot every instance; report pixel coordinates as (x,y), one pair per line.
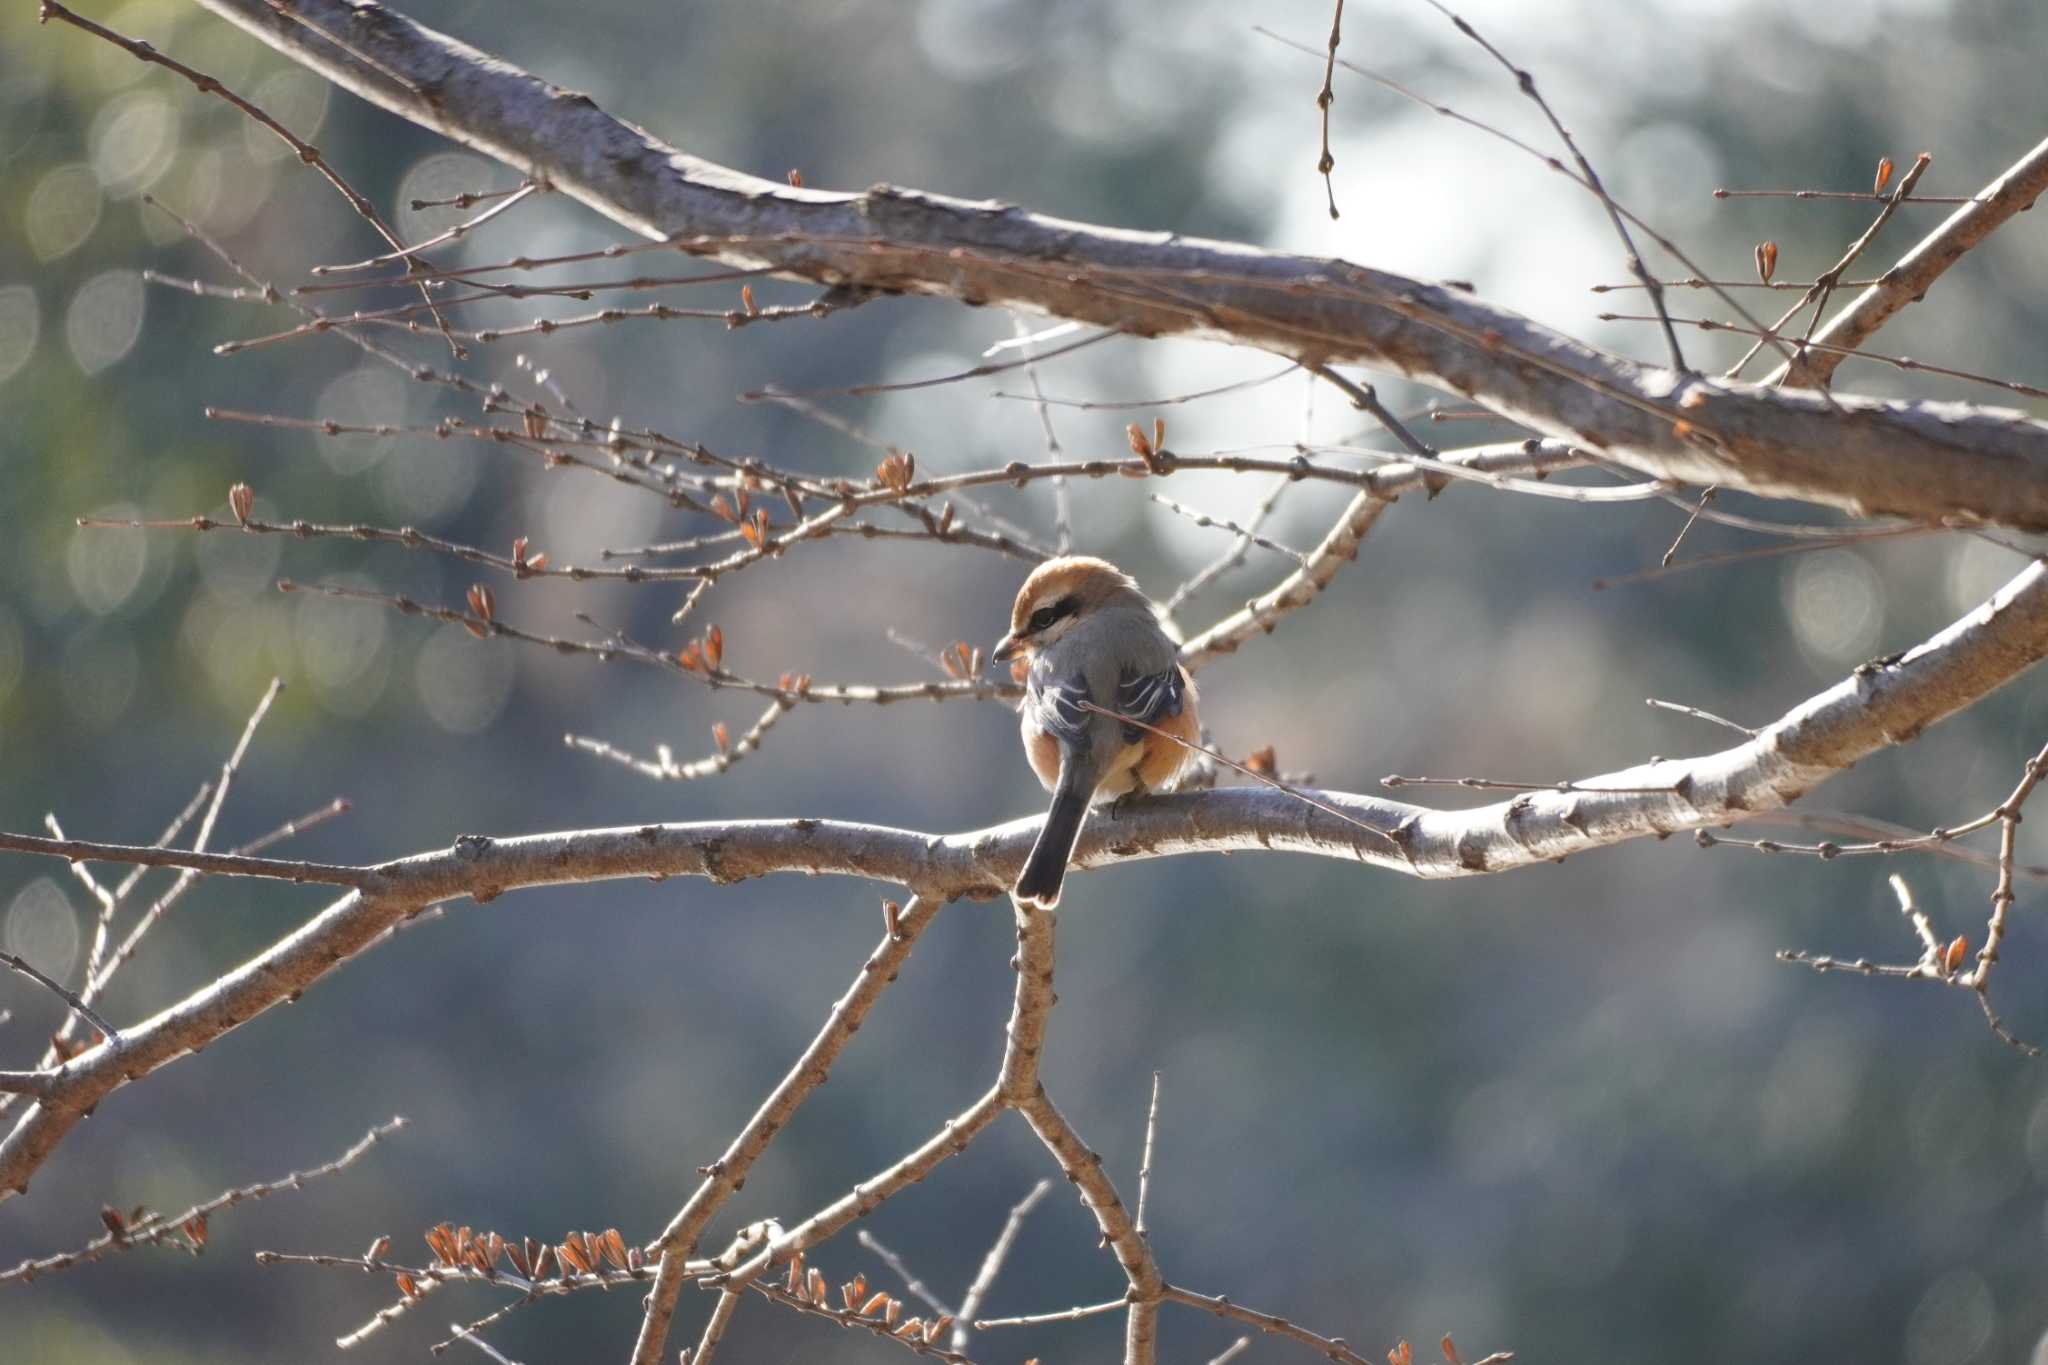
(1090,635)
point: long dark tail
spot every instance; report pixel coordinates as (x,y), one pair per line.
(1047,866)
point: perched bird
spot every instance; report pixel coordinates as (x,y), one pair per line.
(1091,636)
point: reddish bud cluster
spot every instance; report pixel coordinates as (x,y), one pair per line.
(525,562)
(961,660)
(1149,448)
(483,608)
(898,471)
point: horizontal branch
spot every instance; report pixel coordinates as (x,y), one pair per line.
(1884,703)
(1926,461)
(231,864)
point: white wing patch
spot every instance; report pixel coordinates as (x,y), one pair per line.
(1056,705)
(1151,698)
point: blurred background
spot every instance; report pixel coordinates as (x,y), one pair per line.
(1578,1112)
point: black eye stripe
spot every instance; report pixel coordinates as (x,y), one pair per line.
(1045,616)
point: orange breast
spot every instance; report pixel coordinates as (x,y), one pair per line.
(1044,752)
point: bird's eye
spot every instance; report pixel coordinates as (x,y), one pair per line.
(1042,618)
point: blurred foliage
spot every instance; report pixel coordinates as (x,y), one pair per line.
(1578,1112)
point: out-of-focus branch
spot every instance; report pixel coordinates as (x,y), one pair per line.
(1926,461)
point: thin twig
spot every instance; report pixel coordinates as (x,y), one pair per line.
(663,766)
(1825,283)
(1698,714)
(1145,1162)
(1062,502)
(992,1265)
(1061,1315)
(62,992)
(1526,82)
(912,1285)
(152,1228)
(1326,97)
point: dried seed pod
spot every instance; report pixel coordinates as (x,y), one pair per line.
(1884,175)
(1766,260)
(242,502)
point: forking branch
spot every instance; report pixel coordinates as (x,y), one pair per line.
(1939,466)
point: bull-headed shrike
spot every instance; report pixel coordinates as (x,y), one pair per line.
(1091,636)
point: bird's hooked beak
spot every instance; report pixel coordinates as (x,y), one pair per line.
(1007,648)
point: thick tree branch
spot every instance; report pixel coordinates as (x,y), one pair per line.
(1925,461)
(1881,704)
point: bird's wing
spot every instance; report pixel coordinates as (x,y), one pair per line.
(1151,698)
(1056,706)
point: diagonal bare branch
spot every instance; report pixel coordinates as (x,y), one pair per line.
(1920,460)
(2012,193)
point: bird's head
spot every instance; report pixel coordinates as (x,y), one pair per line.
(1059,593)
